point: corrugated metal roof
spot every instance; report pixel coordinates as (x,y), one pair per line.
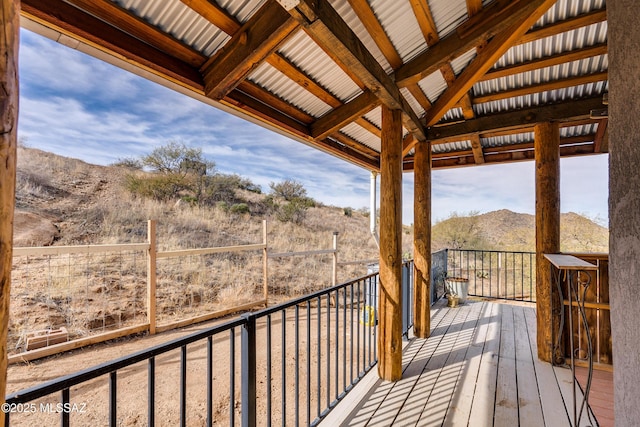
(415,105)
(301,50)
(448,14)
(581,130)
(401,25)
(362,135)
(581,91)
(279,84)
(564,9)
(375,116)
(175,18)
(433,85)
(506,140)
(352,20)
(451,146)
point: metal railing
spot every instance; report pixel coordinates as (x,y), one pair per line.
(299,359)
(495,274)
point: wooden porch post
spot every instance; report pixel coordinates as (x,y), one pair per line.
(390,301)
(547,159)
(9,37)
(422,240)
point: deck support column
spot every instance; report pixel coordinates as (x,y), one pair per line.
(422,240)
(390,301)
(9,37)
(548,305)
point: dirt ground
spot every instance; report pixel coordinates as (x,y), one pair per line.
(331,345)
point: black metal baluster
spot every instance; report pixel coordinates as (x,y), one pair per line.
(183,386)
(209,381)
(113,400)
(328,350)
(151,392)
(337,341)
(284,368)
(65,414)
(232,376)
(268,370)
(297,363)
(308,362)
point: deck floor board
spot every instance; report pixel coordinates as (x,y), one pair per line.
(479,367)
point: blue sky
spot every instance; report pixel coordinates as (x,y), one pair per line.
(77,106)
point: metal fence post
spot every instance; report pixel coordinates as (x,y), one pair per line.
(248,367)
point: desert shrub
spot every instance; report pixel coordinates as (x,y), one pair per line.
(128,163)
(240,208)
(288,189)
(348,212)
(156,186)
(294,211)
(177,158)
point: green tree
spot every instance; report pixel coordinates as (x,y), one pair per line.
(176,158)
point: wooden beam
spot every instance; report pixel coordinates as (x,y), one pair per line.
(126,21)
(328,29)
(303,80)
(356,145)
(422,13)
(257,38)
(363,122)
(542,87)
(252,106)
(548,61)
(486,58)
(422,241)
(513,120)
(574,23)
(79,25)
(215,14)
(9,43)
(377,32)
(482,27)
(601,141)
(420,96)
(464,103)
(275,102)
(390,300)
(345,152)
(547,157)
(338,118)
(473,7)
(476,146)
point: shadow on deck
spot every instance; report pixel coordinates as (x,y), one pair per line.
(478,368)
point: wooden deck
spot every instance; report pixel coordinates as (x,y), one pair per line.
(478,368)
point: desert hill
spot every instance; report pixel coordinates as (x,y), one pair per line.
(506,230)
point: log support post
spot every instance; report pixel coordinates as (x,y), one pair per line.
(422,240)
(548,304)
(9,40)
(390,301)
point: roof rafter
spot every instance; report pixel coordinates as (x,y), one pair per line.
(214,14)
(476,146)
(338,118)
(513,120)
(576,22)
(139,28)
(486,24)
(473,7)
(486,58)
(541,87)
(425,20)
(358,146)
(328,29)
(601,141)
(547,61)
(348,153)
(249,46)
